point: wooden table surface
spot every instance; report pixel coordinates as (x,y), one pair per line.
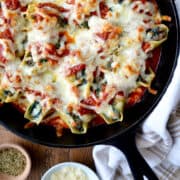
(44,157)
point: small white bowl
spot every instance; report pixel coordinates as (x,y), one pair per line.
(89,172)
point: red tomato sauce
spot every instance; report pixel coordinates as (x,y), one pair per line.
(12,4)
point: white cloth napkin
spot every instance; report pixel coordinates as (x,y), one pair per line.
(158,141)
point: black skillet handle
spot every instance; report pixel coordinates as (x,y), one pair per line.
(140,169)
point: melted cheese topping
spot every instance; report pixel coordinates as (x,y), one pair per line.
(69,56)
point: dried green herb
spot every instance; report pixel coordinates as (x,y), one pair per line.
(62,22)
(58,45)
(43,60)
(85,25)
(12,162)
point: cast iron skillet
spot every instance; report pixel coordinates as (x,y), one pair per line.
(120,134)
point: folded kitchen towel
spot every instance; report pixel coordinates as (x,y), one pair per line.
(159,143)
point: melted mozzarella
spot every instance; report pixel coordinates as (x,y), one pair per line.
(64,89)
(66,35)
(86,44)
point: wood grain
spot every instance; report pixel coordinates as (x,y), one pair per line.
(44,157)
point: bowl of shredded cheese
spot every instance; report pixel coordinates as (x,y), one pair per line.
(70,171)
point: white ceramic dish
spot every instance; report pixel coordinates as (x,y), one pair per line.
(90,173)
